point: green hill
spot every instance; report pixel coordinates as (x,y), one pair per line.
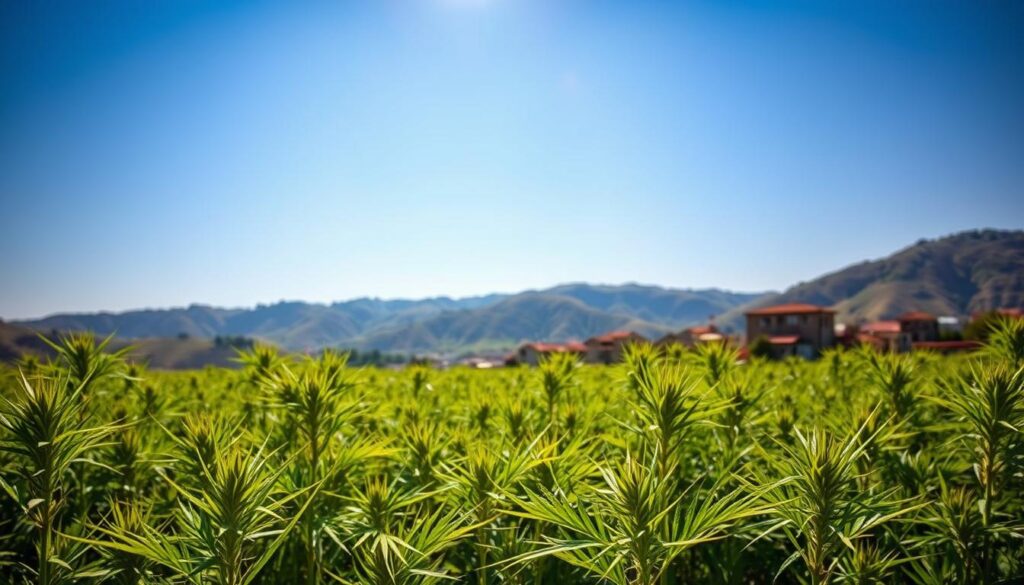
(955,275)
(523,317)
(442,324)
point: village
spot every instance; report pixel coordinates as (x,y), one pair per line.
(780,331)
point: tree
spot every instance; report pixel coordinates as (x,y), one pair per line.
(761,347)
(982,326)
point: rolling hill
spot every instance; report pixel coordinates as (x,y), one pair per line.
(572,311)
(504,324)
(17,340)
(955,275)
(291,324)
(165,353)
(562,313)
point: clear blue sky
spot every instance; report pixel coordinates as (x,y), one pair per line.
(163,153)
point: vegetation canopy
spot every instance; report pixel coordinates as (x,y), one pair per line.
(675,466)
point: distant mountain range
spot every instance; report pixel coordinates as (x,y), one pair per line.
(562,313)
(955,275)
(495,322)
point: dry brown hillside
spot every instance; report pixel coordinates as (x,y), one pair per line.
(955,275)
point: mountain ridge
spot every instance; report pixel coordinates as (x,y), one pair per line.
(420,325)
(957,274)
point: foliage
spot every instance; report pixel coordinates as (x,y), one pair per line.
(761,347)
(680,466)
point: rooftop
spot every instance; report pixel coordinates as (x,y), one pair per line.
(790,309)
(916,316)
(611,337)
(543,347)
(881,327)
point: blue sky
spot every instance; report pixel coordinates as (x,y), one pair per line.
(163,153)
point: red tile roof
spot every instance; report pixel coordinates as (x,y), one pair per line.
(610,337)
(916,316)
(702,329)
(783,339)
(791,309)
(543,347)
(881,327)
(575,346)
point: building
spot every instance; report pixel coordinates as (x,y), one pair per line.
(915,330)
(608,348)
(792,329)
(887,336)
(691,336)
(481,362)
(532,353)
(920,326)
(845,334)
(950,327)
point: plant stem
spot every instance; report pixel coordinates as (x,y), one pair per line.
(312,550)
(481,551)
(46,521)
(986,516)
(44,544)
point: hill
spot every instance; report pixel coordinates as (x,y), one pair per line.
(442,324)
(17,340)
(562,313)
(291,324)
(957,275)
(673,308)
(159,353)
(523,317)
(164,353)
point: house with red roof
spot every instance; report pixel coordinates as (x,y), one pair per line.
(692,336)
(608,347)
(887,336)
(912,330)
(532,353)
(792,329)
(919,325)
